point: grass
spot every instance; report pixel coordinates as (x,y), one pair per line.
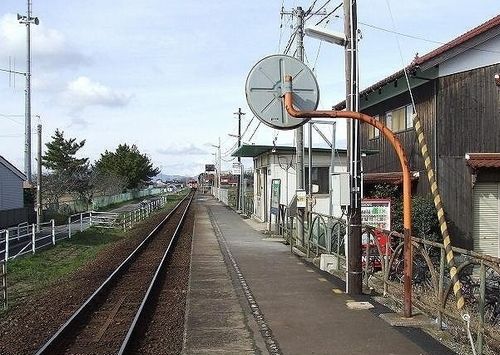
(32,274)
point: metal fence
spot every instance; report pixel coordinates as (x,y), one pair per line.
(128,219)
(26,238)
(383,264)
(3,276)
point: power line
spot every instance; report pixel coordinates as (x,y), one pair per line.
(317,11)
(246,128)
(290,41)
(308,11)
(257,127)
(329,14)
(417,37)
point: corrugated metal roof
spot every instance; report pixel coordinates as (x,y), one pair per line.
(483,160)
(252,150)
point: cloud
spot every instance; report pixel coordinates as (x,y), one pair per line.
(50,49)
(83,92)
(179,150)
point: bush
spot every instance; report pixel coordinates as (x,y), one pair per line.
(425,223)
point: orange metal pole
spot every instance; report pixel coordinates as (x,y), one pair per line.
(407,277)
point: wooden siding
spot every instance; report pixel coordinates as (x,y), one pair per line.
(386,160)
(455,185)
(468,121)
(468,116)
(460,114)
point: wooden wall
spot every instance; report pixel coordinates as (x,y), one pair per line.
(460,114)
(386,160)
(468,121)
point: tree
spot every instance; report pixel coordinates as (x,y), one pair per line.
(60,154)
(128,162)
(425,223)
(68,173)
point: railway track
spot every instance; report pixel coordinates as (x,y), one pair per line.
(107,322)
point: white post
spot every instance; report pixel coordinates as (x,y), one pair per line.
(33,239)
(69,227)
(6,245)
(81,222)
(53,232)
(90,218)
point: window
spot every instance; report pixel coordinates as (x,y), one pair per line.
(319,177)
(409,116)
(372,131)
(259,181)
(399,119)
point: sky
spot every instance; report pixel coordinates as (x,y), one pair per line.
(168,76)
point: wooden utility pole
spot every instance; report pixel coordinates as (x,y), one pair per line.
(354,270)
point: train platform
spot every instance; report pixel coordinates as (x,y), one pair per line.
(250,295)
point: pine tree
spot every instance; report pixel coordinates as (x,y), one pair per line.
(60,154)
(128,162)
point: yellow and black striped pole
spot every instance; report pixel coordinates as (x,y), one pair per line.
(440,212)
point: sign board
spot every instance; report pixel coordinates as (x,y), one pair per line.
(301,199)
(275,195)
(376,213)
(209,167)
(236,170)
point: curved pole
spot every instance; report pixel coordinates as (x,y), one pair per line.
(404,165)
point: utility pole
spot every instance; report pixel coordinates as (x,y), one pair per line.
(354,270)
(28,20)
(238,193)
(299,132)
(39,180)
(219,167)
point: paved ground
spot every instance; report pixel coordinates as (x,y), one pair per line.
(285,306)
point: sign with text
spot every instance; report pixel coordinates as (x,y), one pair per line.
(275,196)
(376,213)
(209,167)
(301,199)
(236,170)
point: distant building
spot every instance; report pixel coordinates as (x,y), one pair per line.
(11,186)
(12,210)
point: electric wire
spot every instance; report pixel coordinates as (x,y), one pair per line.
(308,11)
(257,127)
(290,41)
(419,38)
(321,8)
(329,14)
(246,128)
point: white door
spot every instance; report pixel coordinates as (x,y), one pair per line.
(486,218)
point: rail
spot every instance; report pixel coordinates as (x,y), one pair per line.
(141,313)
(65,330)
